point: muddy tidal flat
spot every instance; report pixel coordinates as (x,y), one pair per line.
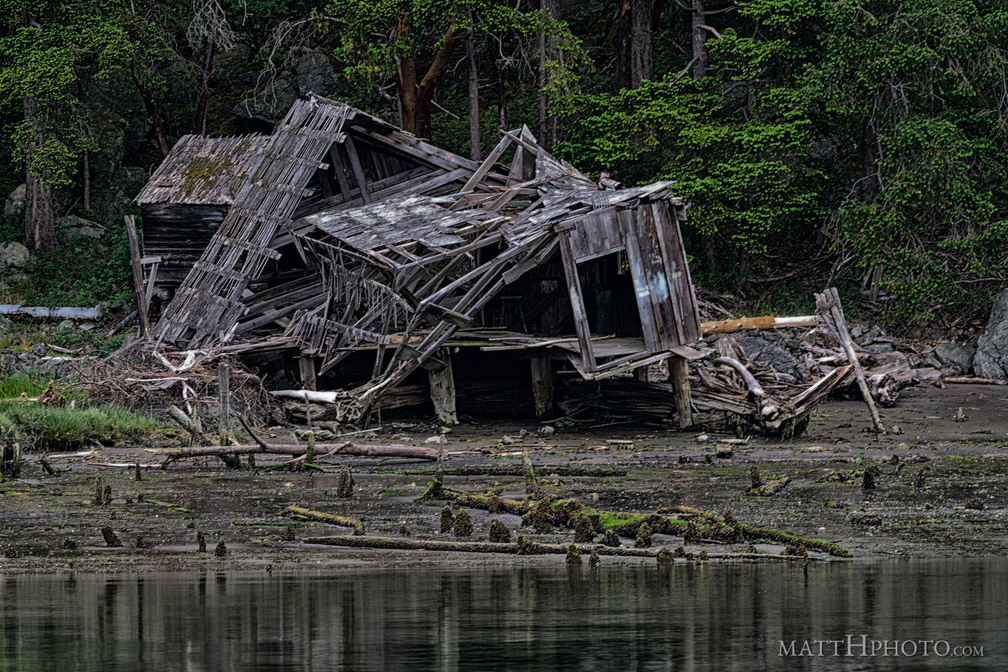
(939,491)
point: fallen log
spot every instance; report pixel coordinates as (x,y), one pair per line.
(322,517)
(716,528)
(519,548)
(969,380)
(351,449)
(768,322)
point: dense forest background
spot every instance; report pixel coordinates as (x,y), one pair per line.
(850,142)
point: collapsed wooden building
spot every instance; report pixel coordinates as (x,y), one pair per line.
(388,268)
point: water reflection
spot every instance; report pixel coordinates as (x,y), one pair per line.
(615,618)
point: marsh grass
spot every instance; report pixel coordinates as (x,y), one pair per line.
(42,427)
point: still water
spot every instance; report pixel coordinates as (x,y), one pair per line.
(711,617)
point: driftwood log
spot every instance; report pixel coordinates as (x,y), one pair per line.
(322,517)
(519,548)
(352,449)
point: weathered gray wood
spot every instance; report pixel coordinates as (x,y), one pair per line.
(138,283)
(306,369)
(358,171)
(679,379)
(442,391)
(224,396)
(151,280)
(339,169)
(577,305)
(830,300)
(487,164)
(542,386)
(639,275)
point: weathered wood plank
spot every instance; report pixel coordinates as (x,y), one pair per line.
(640,281)
(442,391)
(577,304)
(358,171)
(542,386)
(138,283)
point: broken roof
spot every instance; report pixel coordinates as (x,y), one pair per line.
(202,171)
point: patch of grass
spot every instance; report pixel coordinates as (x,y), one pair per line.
(48,428)
(19,384)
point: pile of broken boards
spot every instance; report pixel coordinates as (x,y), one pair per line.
(761,380)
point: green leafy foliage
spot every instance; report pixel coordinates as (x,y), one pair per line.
(83,272)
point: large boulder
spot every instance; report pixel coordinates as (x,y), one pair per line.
(15,203)
(991,358)
(271,102)
(759,348)
(73,227)
(13,256)
(959,357)
(316,74)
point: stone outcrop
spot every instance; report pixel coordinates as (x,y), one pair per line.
(991,358)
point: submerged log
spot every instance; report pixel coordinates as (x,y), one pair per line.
(410,544)
(353,449)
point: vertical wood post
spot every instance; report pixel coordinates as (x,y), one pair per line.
(306,369)
(442,392)
(138,284)
(679,375)
(224,397)
(542,386)
(830,300)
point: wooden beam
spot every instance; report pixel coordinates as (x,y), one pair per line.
(485,167)
(542,386)
(830,301)
(577,305)
(138,283)
(339,169)
(224,398)
(767,322)
(358,171)
(151,280)
(442,391)
(679,378)
(306,369)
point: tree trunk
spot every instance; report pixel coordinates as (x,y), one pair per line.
(548,128)
(474,111)
(416,98)
(700,58)
(204,94)
(636,61)
(869,184)
(502,103)
(40,224)
(153,118)
(86,180)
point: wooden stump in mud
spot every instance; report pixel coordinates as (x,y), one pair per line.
(345,483)
(462,527)
(499,532)
(584,530)
(111,540)
(447,519)
(643,536)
